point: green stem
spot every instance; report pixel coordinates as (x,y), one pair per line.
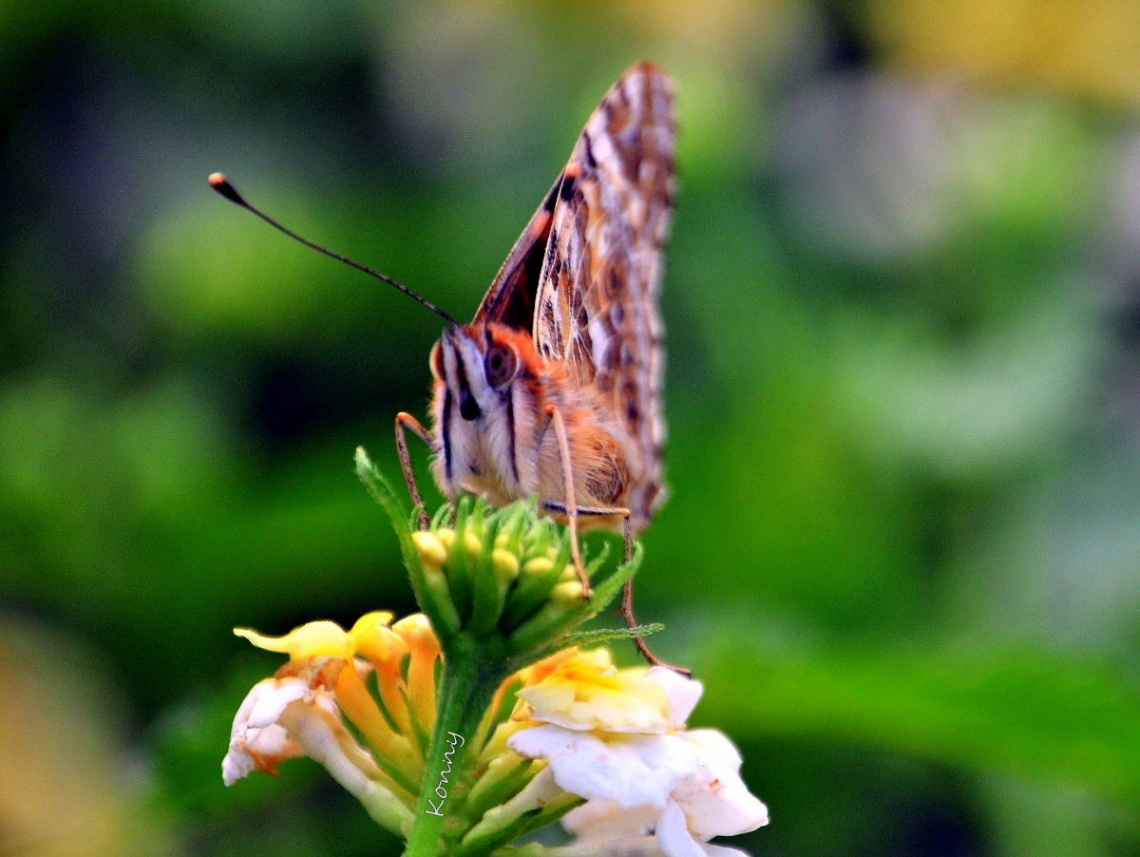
(471,675)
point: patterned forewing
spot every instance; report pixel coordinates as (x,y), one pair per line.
(596,303)
(510,299)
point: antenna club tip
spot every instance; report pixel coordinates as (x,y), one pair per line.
(221,184)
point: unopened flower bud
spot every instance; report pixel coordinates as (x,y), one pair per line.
(568,592)
(431,548)
(506,564)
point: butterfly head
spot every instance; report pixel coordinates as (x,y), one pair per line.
(477,366)
(485,391)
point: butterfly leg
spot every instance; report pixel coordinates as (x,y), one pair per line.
(554,417)
(627,611)
(627,592)
(406,422)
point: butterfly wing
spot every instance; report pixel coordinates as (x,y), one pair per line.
(510,299)
(595,307)
(586,272)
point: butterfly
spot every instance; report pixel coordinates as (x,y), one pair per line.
(554,389)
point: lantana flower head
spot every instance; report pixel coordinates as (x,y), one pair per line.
(477,723)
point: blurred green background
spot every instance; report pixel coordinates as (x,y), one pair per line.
(903,313)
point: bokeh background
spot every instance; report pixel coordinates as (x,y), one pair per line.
(903,311)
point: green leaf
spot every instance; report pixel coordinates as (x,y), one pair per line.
(603,635)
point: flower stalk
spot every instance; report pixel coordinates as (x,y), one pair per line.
(466,690)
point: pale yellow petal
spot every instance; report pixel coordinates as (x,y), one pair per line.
(311,640)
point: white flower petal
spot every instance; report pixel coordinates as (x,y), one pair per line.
(673,834)
(722,851)
(270,741)
(715,748)
(683,693)
(236,765)
(324,739)
(256,741)
(630,770)
(715,800)
(265,702)
(599,820)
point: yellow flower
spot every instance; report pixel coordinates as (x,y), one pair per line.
(584,691)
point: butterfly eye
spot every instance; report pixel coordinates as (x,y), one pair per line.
(436,360)
(501,364)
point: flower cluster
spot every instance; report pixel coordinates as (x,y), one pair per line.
(605,750)
(480,721)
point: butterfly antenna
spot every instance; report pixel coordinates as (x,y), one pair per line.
(221,184)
